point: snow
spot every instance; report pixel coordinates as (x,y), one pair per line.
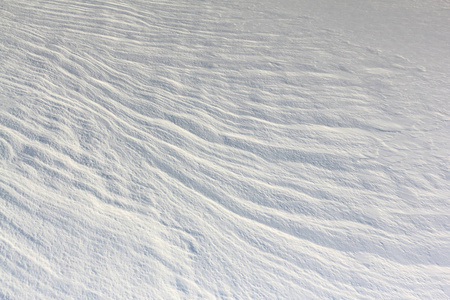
(224,149)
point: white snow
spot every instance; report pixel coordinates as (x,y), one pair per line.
(224,149)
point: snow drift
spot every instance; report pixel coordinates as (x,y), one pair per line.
(220,149)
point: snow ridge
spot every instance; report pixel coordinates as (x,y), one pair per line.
(160,150)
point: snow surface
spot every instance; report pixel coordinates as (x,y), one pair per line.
(224,149)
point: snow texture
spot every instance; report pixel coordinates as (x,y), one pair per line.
(291,149)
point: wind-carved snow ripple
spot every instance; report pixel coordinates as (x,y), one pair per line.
(164,150)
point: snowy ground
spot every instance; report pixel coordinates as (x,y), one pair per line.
(224,149)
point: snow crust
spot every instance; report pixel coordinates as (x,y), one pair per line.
(224,149)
